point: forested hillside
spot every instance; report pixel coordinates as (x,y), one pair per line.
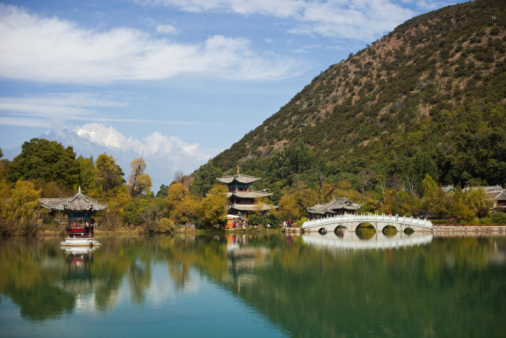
(428,98)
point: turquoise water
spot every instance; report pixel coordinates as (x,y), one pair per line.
(255,285)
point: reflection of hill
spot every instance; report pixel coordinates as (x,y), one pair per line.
(411,291)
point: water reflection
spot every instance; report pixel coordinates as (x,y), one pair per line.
(378,240)
(293,286)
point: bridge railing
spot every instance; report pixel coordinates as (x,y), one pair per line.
(424,223)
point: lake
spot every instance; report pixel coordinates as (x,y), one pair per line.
(255,285)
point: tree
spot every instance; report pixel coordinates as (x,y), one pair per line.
(45,160)
(107,173)
(87,181)
(434,200)
(19,208)
(139,181)
(163,192)
(184,209)
(205,179)
(214,205)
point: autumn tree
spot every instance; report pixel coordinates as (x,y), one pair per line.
(19,209)
(214,205)
(139,181)
(184,208)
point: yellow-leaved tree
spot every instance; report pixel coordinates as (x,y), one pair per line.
(19,209)
(139,181)
(214,205)
(184,208)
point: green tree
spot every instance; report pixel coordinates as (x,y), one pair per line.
(205,179)
(434,200)
(107,173)
(139,181)
(45,160)
(476,200)
(87,180)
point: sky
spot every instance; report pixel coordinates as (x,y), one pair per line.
(162,77)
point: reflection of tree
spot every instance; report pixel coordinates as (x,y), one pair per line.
(447,287)
(43,302)
(140,279)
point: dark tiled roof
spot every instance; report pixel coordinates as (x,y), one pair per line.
(78,202)
(249,194)
(245,179)
(336,204)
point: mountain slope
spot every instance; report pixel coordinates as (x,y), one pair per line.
(429,97)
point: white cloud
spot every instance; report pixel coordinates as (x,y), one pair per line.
(364,20)
(154,146)
(54,50)
(166,29)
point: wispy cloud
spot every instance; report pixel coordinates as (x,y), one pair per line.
(362,20)
(54,50)
(54,109)
(166,29)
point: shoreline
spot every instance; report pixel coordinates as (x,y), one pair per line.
(439,229)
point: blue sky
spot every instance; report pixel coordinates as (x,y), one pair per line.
(167,76)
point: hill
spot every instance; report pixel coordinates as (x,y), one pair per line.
(430,97)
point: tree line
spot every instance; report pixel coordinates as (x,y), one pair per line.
(295,176)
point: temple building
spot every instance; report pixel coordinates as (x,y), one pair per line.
(79,210)
(242,200)
(338,206)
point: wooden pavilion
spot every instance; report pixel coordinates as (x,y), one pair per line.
(79,210)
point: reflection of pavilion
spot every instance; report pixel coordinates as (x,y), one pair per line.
(379,241)
(78,279)
(243,259)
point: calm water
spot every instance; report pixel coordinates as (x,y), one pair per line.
(255,286)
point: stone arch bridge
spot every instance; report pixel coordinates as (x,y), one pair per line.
(379,222)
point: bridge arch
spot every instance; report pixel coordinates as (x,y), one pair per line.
(340,230)
(365,231)
(322,231)
(389,230)
(409,231)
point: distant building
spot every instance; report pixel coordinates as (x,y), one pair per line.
(494,193)
(242,200)
(338,206)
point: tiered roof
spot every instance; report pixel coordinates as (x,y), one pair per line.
(245,179)
(341,203)
(251,207)
(249,194)
(78,202)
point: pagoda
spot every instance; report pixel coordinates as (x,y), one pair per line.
(79,210)
(242,200)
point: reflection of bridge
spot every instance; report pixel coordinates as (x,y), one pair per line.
(379,222)
(378,241)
